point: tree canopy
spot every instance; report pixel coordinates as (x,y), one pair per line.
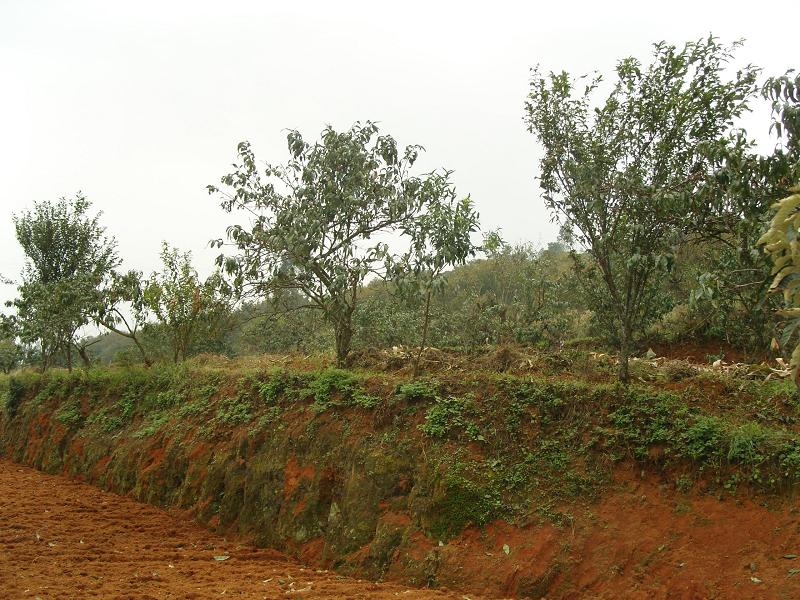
(622,172)
(320,224)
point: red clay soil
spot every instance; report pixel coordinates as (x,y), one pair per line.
(651,543)
(61,538)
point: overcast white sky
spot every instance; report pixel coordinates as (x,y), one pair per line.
(141,104)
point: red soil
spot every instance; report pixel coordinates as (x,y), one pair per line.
(650,542)
(60,538)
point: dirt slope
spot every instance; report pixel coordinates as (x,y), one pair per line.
(60,538)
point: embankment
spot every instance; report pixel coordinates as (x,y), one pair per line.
(504,485)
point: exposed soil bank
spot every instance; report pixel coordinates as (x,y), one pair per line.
(62,539)
(386,482)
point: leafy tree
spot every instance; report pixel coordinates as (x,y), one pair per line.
(318,222)
(10,352)
(737,198)
(440,238)
(123,310)
(784,92)
(518,294)
(780,242)
(182,304)
(623,173)
(68,257)
(10,355)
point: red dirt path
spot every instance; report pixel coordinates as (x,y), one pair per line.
(61,538)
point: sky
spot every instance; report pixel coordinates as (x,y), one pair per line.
(140,105)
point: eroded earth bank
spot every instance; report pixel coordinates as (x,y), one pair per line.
(545,480)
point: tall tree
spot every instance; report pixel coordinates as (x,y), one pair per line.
(68,258)
(622,173)
(319,223)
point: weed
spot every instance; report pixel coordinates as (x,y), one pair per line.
(14,396)
(234,411)
(420,390)
(276,384)
(704,439)
(70,414)
(446,414)
(152,425)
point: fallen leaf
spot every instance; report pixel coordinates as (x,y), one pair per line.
(506,549)
(223,557)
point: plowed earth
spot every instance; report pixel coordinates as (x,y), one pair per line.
(61,538)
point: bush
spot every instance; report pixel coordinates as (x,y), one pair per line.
(419,390)
(14,396)
(444,415)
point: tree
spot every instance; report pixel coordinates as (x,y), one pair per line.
(440,238)
(10,352)
(317,222)
(122,308)
(780,242)
(622,173)
(68,257)
(737,197)
(784,92)
(182,303)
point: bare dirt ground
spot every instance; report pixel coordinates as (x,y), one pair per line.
(61,538)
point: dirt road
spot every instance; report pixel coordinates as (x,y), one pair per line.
(60,538)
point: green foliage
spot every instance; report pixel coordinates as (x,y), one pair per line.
(125,310)
(748,450)
(15,394)
(704,440)
(784,93)
(338,387)
(419,390)
(185,306)
(464,501)
(276,384)
(68,258)
(10,355)
(70,413)
(318,216)
(439,239)
(444,415)
(780,242)
(234,411)
(623,172)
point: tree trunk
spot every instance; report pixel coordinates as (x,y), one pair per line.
(69,357)
(147,361)
(44,357)
(425,324)
(344,334)
(624,353)
(87,362)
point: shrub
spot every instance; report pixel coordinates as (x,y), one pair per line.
(704,440)
(444,415)
(419,390)
(14,396)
